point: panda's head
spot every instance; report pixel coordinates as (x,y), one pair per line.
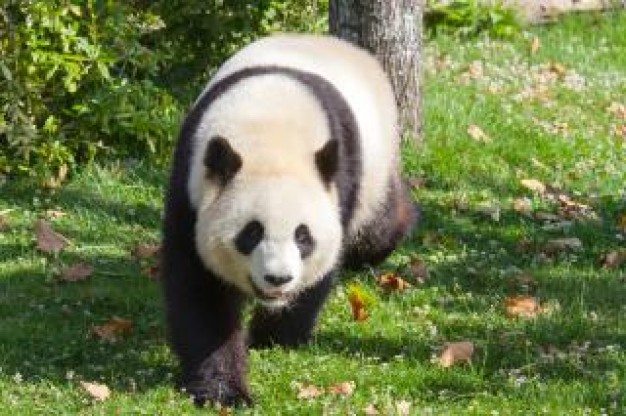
(270,233)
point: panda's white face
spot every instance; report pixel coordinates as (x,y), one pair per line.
(271,237)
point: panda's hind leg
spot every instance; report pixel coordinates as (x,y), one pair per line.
(391,224)
(293,325)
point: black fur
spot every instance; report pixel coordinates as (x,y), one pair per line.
(221,160)
(204,314)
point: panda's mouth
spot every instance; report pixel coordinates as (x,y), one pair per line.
(272,297)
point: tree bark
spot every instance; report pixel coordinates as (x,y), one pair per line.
(392,31)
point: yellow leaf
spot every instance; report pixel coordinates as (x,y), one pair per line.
(456,352)
(614,259)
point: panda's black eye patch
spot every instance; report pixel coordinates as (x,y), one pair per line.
(304,240)
(249,237)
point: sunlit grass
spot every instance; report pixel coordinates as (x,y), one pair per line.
(544,122)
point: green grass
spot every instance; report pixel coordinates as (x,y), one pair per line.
(46,345)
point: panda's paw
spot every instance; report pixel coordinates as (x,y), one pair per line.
(219,391)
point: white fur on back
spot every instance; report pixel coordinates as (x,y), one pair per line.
(357,76)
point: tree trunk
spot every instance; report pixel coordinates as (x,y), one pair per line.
(392,30)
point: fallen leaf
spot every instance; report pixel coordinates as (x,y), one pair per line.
(343,389)
(557,245)
(53,214)
(145,251)
(523,206)
(370,410)
(614,259)
(547,216)
(4,223)
(309,391)
(416,182)
(418,270)
(535,44)
(392,282)
(114,329)
(359,299)
(477,134)
(48,240)
(534,185)
(152,272)
(522,306)
(558,69)
(97,391)
(403,408)
(456,352)
(76,272)
(617,109)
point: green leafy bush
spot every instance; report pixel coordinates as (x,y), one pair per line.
(86,79)
(471,17)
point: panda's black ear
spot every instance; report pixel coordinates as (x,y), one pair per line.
(327,160)
(221,160)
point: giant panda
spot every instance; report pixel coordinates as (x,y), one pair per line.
(286,168)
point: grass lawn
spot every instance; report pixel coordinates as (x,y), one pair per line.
(551,114)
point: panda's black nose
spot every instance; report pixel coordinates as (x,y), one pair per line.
(277,280)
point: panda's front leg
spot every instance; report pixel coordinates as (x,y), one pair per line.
(292,325)
(206,333)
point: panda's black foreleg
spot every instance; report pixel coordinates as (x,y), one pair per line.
(293,325)
(205,332)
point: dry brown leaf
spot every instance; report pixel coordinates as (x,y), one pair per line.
(152,272)
(557,245)
(621,223)
(48,240)
(558,69)
(370,410)
(114,329)
(523,206)
(456,352)
(416,182)
(343,389)
(535,44)
(617,109)
(145,251)
(620,131)
(475,69)
(522,306)
(309,391)
(392,282)
(76,272)
(614,259)
(478,134)
(534,185)
(358,307)
(547,216)
(97,391)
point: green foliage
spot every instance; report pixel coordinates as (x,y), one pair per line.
(86,79)
(471,17)
(75,81)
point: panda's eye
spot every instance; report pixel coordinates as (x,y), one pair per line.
(249,237)
(304,241)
